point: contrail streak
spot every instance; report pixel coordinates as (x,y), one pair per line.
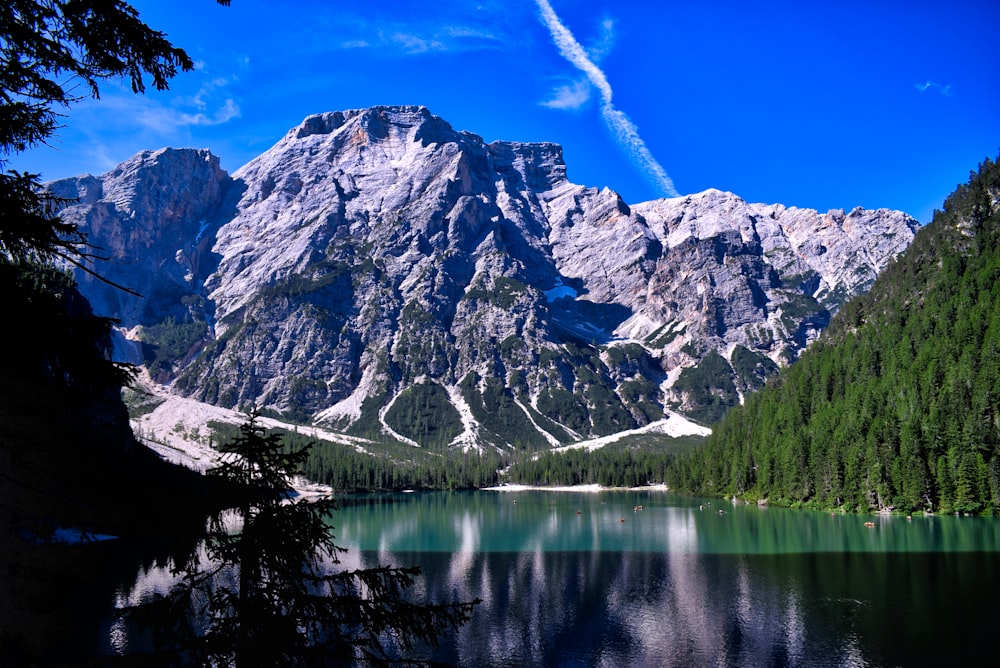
(620,125)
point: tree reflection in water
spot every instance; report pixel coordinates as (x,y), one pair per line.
(264,589)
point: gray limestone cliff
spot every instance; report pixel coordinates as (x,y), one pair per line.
(381,273)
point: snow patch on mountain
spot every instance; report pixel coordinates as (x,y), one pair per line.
(674,425)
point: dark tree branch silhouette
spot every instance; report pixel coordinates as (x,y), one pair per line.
(267,592)
(54,53)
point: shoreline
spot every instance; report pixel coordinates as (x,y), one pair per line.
(593,488)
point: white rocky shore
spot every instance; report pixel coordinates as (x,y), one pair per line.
(592,489)
(178,431)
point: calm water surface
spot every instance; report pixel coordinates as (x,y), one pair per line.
(587,579)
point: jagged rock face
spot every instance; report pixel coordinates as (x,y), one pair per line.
(763,276)
(151,217)
(381,272)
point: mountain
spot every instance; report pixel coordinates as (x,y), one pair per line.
(897,406)
(380,273)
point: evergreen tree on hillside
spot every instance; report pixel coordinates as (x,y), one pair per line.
(897,406)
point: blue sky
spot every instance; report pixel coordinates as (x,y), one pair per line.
(812,104)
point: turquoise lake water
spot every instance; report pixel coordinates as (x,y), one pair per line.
(590,579)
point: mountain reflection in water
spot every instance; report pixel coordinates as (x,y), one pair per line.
(589,579)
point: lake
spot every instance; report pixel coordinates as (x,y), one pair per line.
(649,578)
(588,579)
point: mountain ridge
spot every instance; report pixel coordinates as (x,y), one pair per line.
(379,272)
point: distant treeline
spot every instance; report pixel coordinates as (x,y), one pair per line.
(345,468)
(616,465)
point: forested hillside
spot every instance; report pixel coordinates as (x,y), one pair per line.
(897,406)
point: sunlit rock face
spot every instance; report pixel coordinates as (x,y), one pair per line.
(149,217)
(379,271)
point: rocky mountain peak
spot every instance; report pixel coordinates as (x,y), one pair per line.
(383,273)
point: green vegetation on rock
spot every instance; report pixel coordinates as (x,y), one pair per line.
(565,408)
(708,388)
(752,369)
(425,414)
(504,293)
(170,342)
(494,408)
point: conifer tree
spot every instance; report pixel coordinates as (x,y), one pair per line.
(267,592)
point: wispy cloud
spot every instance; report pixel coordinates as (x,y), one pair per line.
(162,119)
(223,114)
(606,40)
(621,126)
(571,96)
(411,43)
(934,86)
(395,39)
(208,91)
(99,157)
